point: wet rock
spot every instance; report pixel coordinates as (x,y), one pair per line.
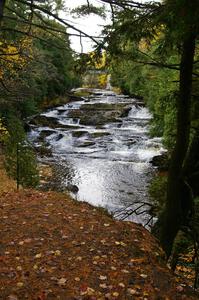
(44,134)
(61,111)
(43,151)
(76,98)
(137,97)
(79,133)
(59,137)
(161,161)
(41,120)
(125,112)
(72,188)
(67,126)
(27,127)
(87,144)
(52,122)
(99,113)
(98,134)
(104,106)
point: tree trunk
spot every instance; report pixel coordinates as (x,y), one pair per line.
(178,195)
(2,4)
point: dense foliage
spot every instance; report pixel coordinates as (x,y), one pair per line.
(36,68)
(154,53)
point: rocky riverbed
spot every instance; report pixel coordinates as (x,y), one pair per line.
(100,150)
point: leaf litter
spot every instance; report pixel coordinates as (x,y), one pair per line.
(53,247)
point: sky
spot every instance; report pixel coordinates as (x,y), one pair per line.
(92,25)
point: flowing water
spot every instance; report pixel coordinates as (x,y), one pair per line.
(109,164)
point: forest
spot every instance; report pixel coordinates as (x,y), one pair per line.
(150,50)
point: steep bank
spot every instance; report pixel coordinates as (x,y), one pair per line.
(56,248)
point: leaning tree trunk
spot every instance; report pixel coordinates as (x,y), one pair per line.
(178,200)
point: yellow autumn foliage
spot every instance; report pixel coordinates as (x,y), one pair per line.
(14,57)
(102,80)
(99,63)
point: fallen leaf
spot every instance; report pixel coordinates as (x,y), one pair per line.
(103,285)
(143,275)
(77,279)
(28,240)
(62,281)
(20,284)
(132,291)
(120,243)
(102,277)
(39,255)
(79,258)
(12,297)
(103,241)
(115,294)
(125,271)
(35,267)
(57,253)
(179,288)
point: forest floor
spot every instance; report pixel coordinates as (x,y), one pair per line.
(53,247)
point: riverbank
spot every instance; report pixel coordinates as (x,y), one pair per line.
(56,248)
(53,247)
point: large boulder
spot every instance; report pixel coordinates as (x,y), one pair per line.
(100,113)
(44,121)
(161,161)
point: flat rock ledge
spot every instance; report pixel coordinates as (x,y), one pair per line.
(53,247)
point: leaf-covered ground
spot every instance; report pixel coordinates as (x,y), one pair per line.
(6,184)
(53,247)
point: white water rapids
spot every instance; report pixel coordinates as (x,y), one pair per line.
(111,169)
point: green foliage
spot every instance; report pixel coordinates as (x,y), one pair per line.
(33,72)
(156,85)
(157,191)
(85,10)
(44,67)
(20,160)
(3,132)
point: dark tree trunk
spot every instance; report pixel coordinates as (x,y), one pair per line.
(178,201)
(2,4)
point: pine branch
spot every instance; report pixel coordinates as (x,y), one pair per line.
(47,12)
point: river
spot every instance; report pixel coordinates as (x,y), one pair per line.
(105,157)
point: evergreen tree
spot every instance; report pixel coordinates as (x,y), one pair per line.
(175,25)
(20,159)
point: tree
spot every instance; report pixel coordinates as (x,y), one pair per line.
(178,23)
(179,200)
(20,159)
(31,74)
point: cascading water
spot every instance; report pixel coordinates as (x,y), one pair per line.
(108,162)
